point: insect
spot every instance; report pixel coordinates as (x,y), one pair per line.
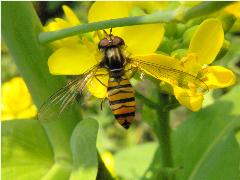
(120,93)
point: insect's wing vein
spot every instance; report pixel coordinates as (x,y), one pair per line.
(65,97)
(170,75)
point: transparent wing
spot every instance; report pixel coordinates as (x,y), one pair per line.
(65,97)
(170,75)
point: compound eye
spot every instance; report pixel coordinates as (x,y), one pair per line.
(117,41)
(103,43)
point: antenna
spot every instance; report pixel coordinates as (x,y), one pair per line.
(105,32)
(111,32)
(108,35)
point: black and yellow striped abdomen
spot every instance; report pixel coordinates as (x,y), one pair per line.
(121,100)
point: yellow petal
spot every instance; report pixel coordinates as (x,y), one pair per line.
(71,16)
(190,100)
(28,113)
(145,41)
(12,91)
(108,160)
(147,38)
(218,77)
(100,11)
(71,60)
(234,9)
(142,39)
(96,88)
(152,6)
(207,41)
(16,100)
(59,24)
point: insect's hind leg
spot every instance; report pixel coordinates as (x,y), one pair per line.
(96,77)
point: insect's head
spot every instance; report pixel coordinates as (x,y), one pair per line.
(110,41)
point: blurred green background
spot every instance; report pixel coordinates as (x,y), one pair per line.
(134,149)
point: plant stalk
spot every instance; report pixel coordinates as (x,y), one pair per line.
(158,17)
(164,136)
(205,8)
(162,166)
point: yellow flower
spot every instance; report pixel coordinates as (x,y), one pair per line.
(58,23)
(108,160)
(78,57)
(142,41)
(16,101)
(203,49)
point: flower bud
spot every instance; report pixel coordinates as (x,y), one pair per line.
(187,36)
(179,53)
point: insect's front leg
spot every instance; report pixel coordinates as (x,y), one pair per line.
(102,103)
(131,72)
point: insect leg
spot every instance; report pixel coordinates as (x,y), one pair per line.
(96,76)
(132,71)
(102,103)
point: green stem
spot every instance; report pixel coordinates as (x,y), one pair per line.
(164,135)
(162,167)
(163,130)
(205,8)
(158,17)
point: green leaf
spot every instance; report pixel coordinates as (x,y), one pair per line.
(131,163)
(205,145)
(26,152)
(58,171)
(20,30)
(224,156)
(83,145)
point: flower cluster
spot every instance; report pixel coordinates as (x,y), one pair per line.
(75,55)
(16,100)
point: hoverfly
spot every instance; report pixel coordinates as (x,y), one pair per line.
(120,93)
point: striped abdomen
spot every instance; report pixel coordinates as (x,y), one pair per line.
(121,100)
